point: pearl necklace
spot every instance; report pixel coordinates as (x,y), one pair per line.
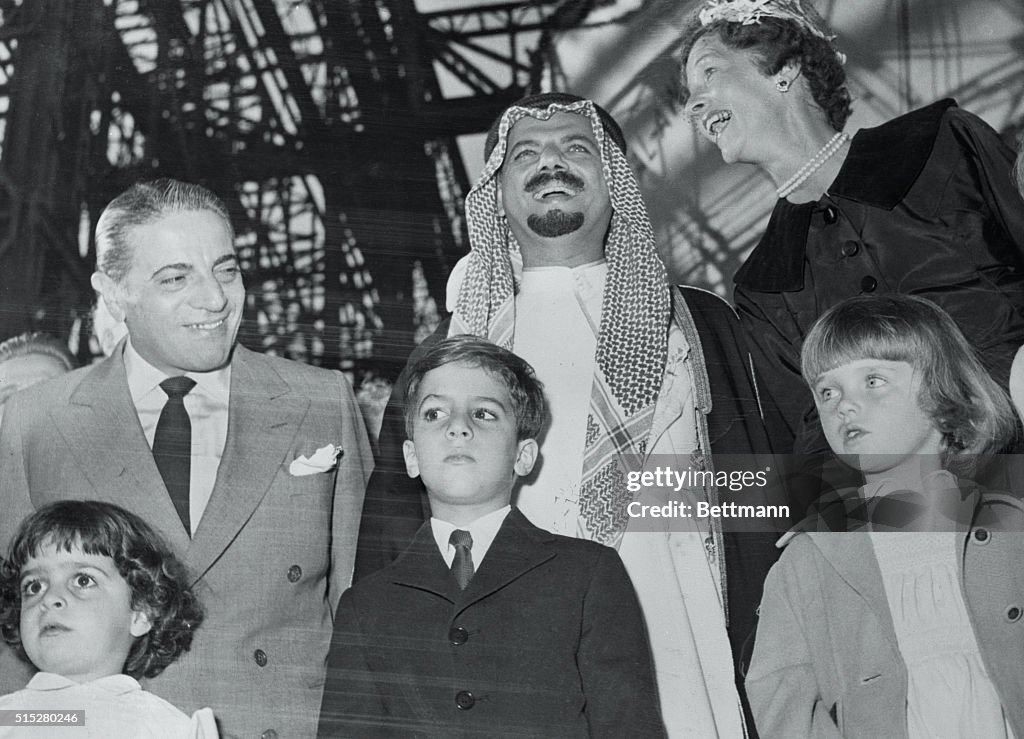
(813,164)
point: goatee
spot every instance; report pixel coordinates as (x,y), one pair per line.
(555,223)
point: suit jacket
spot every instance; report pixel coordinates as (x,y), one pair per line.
(736,429)
(826,659)
(272,553)
(546,641)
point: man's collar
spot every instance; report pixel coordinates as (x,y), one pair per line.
(883,164)
(143,376)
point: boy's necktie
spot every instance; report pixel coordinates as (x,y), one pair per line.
(172,445)
(462,565)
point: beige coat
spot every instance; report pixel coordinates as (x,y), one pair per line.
(826,662)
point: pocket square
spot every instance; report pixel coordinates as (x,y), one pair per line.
(322,460)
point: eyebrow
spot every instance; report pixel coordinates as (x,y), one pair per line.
(568,138)
(475,399)
(694,61)
(188,266)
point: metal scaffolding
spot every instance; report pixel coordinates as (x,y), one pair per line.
(323,123)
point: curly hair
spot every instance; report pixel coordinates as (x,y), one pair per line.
(157,580)
(525,390)
(972,412)
(774,42)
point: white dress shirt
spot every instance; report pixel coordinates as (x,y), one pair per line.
(207,406)
(483,530)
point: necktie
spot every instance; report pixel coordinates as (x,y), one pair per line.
(462,565)
(172,444)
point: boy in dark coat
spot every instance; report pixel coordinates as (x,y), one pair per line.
(487,626)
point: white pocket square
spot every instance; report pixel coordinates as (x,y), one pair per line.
(323,460)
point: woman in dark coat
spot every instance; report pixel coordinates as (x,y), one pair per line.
(924,204)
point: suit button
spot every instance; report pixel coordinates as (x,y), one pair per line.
(981,536)
(294,573)
(458,635)
(261,657)
(1013,614)
(830,215)
(269,734)
(850,249)
(868,284)
(464,700)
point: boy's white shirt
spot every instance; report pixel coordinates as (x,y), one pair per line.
(483,530)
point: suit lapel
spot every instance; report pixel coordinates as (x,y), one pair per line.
(853,558)
(421,566)
(517,549)
(102,430)
(263,419)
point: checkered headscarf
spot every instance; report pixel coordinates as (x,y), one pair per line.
(633,336)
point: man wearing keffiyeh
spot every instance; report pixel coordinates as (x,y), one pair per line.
(563,270)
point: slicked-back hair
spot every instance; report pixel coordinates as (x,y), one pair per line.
(37,342)
(140,205)
(773,42)
(971,411)
(515,373)
(157,580)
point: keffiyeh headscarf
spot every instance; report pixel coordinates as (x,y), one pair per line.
(635,310)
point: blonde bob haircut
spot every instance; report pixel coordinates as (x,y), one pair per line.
(971,411)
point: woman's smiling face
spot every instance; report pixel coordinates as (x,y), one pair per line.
(731,101)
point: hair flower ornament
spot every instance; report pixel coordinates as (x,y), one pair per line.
(748,12)
(322,460)
(734,11)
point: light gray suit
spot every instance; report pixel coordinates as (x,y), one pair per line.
(272,553)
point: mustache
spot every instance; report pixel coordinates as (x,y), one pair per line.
(541,179)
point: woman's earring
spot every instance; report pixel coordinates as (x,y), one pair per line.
(782,84)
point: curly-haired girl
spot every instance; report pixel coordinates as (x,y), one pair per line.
(92,597)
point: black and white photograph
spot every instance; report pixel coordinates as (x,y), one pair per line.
(499,369)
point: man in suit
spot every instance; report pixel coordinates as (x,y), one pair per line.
(487,626)
(252,467)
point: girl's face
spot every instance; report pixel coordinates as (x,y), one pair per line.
(731,101)
(76,614)
(871,417)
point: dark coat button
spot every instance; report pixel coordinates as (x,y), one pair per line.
(294,573)
(464,700)
(269,734)
(458,635)
(261,657)
(868,284)
(830,215)
(981,536)
(850,248)
(1013,614)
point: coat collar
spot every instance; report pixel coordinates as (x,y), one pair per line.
(846,544)
(871,175)
(518,548)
